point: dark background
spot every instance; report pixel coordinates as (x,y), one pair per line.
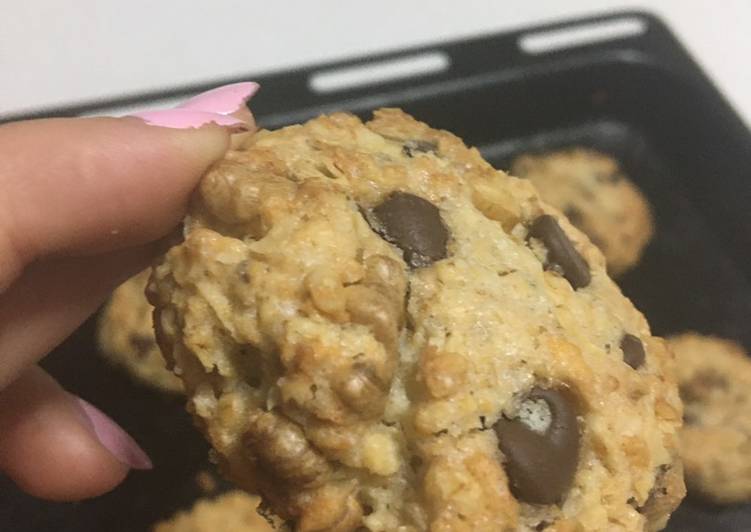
(641,99)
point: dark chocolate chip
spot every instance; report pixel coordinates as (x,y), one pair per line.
(541,466)
(411,147)
(561,252)
(633,351)
(414,225)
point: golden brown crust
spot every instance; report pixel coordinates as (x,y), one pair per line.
(714,378)
(329,374)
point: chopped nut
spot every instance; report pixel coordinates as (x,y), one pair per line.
(280,446)
(331,508)
(443,373)
(362,390)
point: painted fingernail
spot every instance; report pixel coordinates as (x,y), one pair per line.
(223,100)
(114,438)
(179,118)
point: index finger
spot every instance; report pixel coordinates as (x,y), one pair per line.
(97,184)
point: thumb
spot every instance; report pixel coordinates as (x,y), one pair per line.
(73,188)
(80,186)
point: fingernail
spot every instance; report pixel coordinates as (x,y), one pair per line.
(223,100)
(210,107)
(114,438)
(190,118)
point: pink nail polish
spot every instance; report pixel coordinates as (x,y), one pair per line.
(189,118)
(114,438)
(223,100)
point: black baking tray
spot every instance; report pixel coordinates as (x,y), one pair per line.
(639,97)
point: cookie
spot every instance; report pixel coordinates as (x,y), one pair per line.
(597,197)
(379,331)
(125,334)
(234,511)
(714,378)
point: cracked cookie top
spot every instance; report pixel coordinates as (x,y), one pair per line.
(379,331)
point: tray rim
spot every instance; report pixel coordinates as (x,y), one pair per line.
(658,43)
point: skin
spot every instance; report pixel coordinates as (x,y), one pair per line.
(84,204)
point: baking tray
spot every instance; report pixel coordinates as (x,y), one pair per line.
(634,93)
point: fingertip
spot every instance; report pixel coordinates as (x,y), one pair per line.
(190,119)
(225,100)
(194,145)
(103,183)
(114,438)
(48,446)
(202,146)
(74,484)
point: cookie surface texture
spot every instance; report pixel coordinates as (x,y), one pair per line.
(234,511)
(125,334)
(379,331)
(714,378)
(590,188)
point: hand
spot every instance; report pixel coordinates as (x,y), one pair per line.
(84,204)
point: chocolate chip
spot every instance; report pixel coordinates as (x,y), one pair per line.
(414,225)
(561,252)
(411,147)
(541,463)
(633,351)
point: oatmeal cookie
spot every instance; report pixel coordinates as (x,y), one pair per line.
(714,379)
(597,197)
(234,511)
(379,331)
(125,334)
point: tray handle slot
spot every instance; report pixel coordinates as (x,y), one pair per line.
(379,72)
(581,34)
